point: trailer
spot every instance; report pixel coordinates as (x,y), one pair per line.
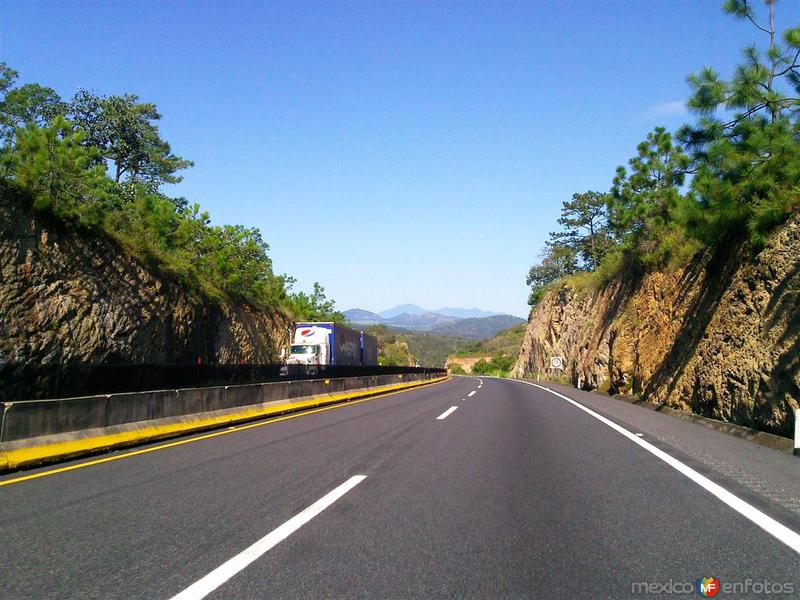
(328,343)
(369,350)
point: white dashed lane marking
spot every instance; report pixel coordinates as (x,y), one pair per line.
(446,413)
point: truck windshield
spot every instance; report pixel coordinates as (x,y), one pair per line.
(304,349)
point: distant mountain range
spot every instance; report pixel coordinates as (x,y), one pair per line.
(409,309)
(472,323)
(466,313)
(480,328)
(424,320)
(413,309)
(363,317)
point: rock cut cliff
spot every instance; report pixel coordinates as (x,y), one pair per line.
(719,337)
(78,297)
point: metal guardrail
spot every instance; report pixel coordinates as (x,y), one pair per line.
(44,381)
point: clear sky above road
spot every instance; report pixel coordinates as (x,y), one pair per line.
(395,152)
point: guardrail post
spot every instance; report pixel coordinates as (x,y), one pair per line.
(3,420)
(797,432)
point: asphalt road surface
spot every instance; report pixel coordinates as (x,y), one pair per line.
(515,492)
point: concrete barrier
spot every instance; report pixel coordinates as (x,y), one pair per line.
(39,431)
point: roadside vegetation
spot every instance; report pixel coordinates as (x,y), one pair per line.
(393,352)
(733,174)
(496,356)
(499,365)
(424,349)
(98,163)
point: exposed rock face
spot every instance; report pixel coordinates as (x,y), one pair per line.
(69,297)
(720,337)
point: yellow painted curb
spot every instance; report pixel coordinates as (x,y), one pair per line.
(11,459)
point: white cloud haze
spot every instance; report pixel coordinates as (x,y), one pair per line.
(675,108)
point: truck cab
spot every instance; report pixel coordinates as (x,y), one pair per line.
(311,346)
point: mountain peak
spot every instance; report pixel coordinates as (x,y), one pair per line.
(359,315)
(411,309)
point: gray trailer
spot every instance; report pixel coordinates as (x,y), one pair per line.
(369,350)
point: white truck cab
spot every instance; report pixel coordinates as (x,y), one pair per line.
(311,346)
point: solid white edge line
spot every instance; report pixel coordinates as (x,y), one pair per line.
(202,587)
(446,413)
(767,523)
(472,393)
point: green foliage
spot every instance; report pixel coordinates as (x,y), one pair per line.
(61,167)
(432,350)
(503,348)
(499,365)
(558,260)
(456,370)
(586,230)
(29,104)
(125,133)
(743,158)
(314,307)
(508,342)
(425,349)
(771,211)
(7,78)
(580,246)
(481,367)
(746,143)
(227,262)
(393,349)
(644,200)
(396,354)
(236,257)
(57,171)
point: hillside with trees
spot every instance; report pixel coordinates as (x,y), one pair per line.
(403,347)
(679,284)
(98,164)
(732,174)
(493,356)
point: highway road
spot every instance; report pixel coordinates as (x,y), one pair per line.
(464,489)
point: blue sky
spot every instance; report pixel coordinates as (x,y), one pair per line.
(395,152)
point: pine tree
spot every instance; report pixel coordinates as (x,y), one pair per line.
(125,132)
(57,171)
(747,166)
(586,226)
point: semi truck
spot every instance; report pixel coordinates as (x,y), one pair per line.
(332,344)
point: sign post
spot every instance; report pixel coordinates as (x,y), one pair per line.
(556,364)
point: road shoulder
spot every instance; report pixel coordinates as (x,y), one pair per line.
(766,476)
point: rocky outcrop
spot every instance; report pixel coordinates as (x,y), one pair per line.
(69,297)
(720,337)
